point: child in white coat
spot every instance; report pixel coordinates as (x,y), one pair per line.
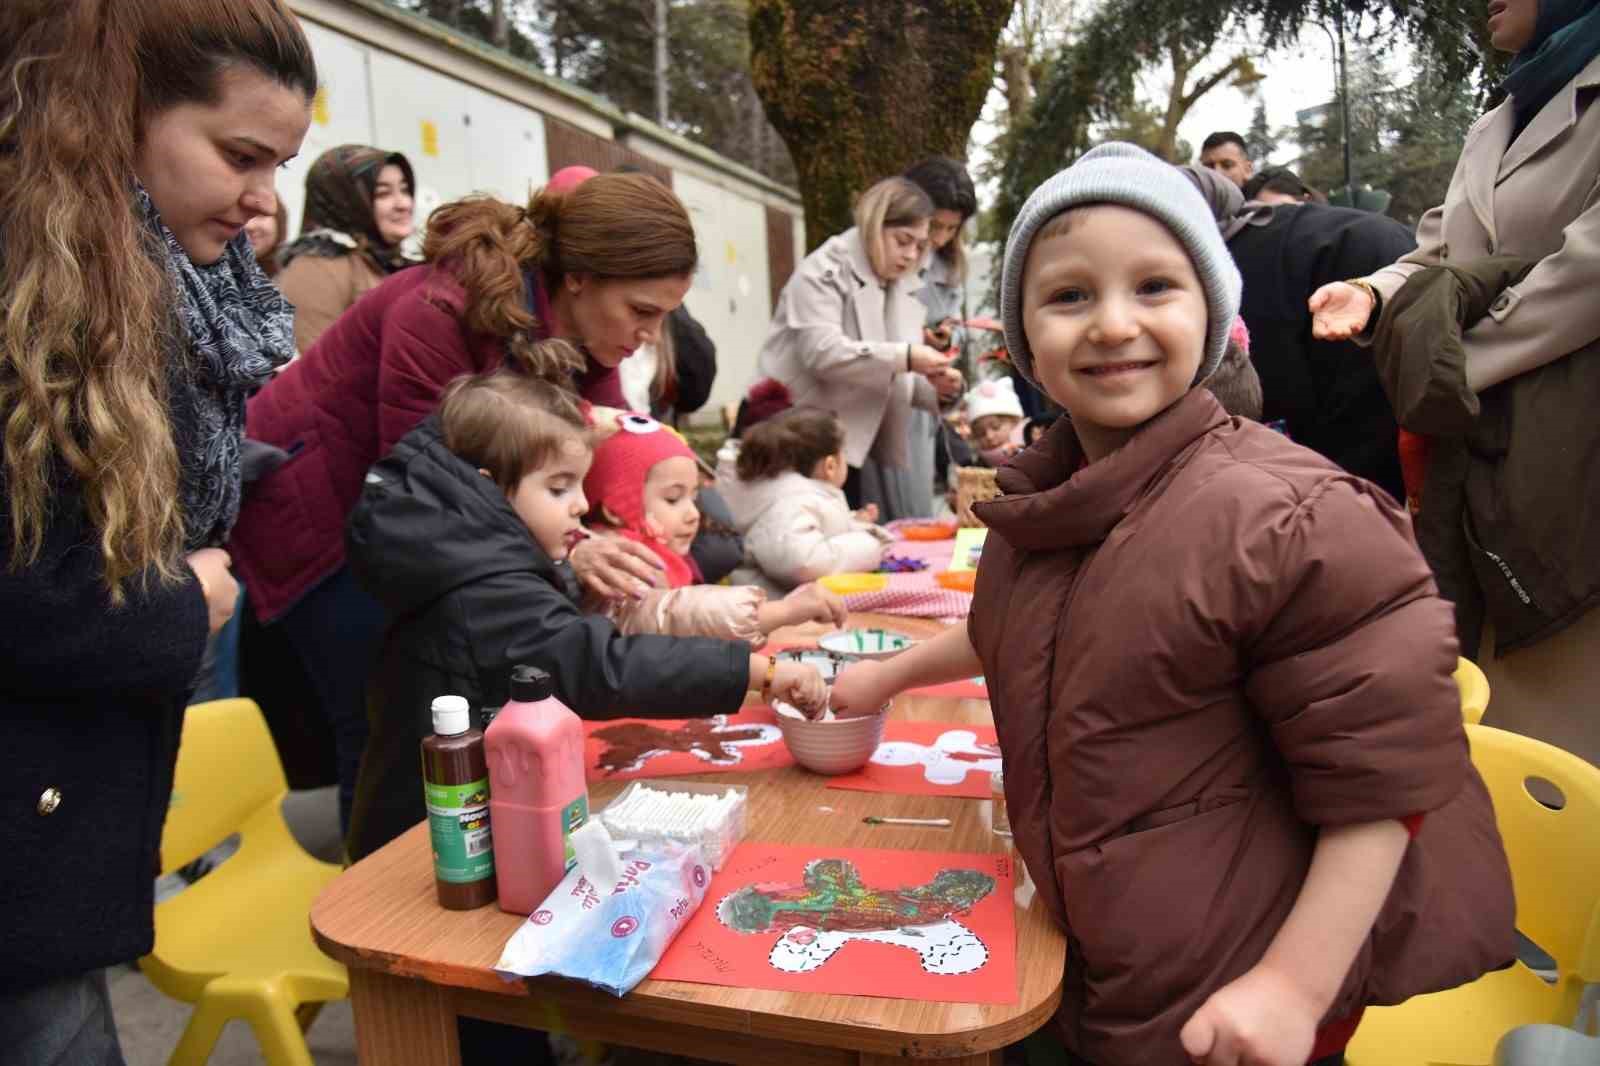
(785,489)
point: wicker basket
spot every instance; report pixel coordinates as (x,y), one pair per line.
(974,484)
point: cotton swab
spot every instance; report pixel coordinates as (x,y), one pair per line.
(938,823)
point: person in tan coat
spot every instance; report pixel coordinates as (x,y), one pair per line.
(847,337)
(1220,671)
(358,212)
(1527,186)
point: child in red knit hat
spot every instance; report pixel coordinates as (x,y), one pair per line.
(641,486)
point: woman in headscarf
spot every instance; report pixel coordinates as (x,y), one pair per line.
(358,212)
(1527,187)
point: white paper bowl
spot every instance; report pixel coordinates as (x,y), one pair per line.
(832,745)
(828,663)
(866,643)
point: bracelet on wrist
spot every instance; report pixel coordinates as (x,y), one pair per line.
(766,682)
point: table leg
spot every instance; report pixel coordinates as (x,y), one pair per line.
(402,1022)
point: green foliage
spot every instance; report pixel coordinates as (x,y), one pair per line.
(1091,83)
(1404,139)
(860,89)
(608,47)
(1262,144)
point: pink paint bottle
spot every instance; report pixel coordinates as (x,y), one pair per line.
(537,795)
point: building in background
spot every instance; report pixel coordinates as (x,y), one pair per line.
(472,119)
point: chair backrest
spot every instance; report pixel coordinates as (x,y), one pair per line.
(1555,854)
(1474,688)
(228,769)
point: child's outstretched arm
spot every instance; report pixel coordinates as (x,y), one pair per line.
(865,687)
(1269,1015)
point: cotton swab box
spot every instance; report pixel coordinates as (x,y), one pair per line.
(683,812)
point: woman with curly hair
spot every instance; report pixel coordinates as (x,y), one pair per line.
(136,140)
(600,260)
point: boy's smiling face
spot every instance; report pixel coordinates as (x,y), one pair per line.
(1116,319)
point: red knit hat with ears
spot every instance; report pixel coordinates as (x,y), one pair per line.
(622,462)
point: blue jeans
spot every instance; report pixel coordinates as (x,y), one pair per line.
(65,1022)
(218,678)
(337,629)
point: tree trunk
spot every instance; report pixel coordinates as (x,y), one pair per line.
(861,89)
(500,24)
(1014,74)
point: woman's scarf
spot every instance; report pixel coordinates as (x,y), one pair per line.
(1565,39)
(1226,201)
(231,330)
(339,209)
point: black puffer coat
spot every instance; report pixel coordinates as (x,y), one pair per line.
(470,595)
(92,700)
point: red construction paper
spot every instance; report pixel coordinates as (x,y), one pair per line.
(854,921)
(928,759)
(620,749)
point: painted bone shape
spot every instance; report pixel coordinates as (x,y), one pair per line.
(946,948)
(946,761)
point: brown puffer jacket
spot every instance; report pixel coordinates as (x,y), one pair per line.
(1508,518)
(1200,649)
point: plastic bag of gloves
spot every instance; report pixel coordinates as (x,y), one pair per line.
(611,938)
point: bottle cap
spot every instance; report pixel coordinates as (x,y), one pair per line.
(451,716)
(529,684)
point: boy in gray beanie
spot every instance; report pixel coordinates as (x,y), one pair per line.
(1220,671)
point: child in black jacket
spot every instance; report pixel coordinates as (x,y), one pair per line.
(461,532)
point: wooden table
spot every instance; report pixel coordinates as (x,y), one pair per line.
(415,967)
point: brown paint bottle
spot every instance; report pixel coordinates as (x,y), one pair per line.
(455,783)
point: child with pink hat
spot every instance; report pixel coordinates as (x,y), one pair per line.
(641,486)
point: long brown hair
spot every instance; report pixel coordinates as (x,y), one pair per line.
(87,306)
(797,440)
(611,226)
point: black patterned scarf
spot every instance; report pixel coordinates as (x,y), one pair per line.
(236,329)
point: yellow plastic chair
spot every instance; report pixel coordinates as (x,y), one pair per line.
(237,943)
(1554,858)
(1474,689)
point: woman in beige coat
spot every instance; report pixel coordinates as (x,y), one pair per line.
(846,336)
(358,211)
(1528,186)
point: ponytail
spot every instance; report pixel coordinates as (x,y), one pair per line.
(796,440)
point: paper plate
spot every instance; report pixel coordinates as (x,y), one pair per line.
(929,531)
(865,643)
(957,580)
(850,584)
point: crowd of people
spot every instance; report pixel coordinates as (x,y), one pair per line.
(1226,416)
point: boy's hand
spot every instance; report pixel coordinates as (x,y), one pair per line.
(213,567)
(813,603)
(1339,311)
(947,382)
(800,686)
(1261,1019)
(860,689)
(867,514)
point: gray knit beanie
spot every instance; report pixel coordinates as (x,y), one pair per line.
(1128,175)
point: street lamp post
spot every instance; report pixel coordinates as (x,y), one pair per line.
(1342,87)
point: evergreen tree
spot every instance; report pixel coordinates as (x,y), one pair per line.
(1260,142)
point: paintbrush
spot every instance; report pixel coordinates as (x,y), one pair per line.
(940,823)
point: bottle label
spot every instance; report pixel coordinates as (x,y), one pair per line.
(458,823)
(573,815)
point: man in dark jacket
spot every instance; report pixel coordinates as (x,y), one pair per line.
(1326,393)
(471,594)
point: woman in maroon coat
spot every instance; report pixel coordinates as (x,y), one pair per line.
(601,261)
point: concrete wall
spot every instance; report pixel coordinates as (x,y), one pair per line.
(471,119)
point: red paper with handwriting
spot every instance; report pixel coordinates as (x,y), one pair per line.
(620,749)
(854,921)
(928,759)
